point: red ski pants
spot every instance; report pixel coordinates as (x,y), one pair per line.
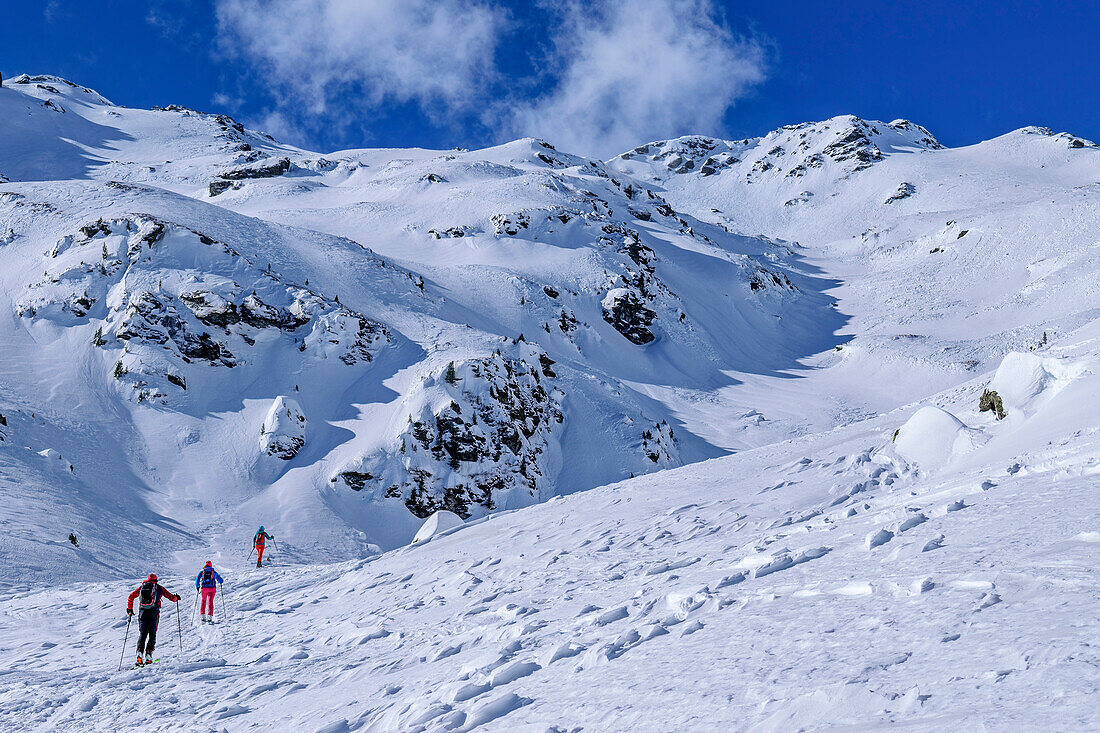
(208,601)
(259,553)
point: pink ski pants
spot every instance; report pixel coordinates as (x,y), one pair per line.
(208,600)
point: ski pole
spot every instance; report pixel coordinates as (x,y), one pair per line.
(179,627)
(196,609)
(125,638)
(251,551)
(225,616)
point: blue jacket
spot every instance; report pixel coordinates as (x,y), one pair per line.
(214,578)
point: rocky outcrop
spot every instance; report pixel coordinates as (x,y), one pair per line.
(171,299)
(628,315)
(480,439)
(905,190)
(261,168)
(449,233)
(510,224)
(283,432)
(790,152)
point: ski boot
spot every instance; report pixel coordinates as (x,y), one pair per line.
(140,661)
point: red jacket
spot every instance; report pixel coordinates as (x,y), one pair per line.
(161,591)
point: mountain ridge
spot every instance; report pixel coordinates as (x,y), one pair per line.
(551,266)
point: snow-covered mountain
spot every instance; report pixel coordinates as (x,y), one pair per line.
(208,330)
(469,331)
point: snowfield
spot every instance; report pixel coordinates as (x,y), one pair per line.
(791,433)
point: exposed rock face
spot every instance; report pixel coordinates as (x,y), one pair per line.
(905,190)
(990,401)
(54,84)
(510,224)
(1070,141)
(659,443)
(263,168)
(260,168)
(150,319)
(764,278)
(220,187)
(624,310)
(448,233)
(283,432)
(475,443)
(170,300)
(787,153)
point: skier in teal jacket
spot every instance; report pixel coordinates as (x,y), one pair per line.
(258,543)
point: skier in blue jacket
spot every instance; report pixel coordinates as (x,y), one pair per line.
(206,582)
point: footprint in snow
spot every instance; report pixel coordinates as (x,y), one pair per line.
(447,651)
(922,585)
(492,710)
(468,691)
(878,538)
(611,616)
(913,520)
(564,651)
(934,544)
(788,560)
(511,672)
(691,627)
(987,600)
(731,580)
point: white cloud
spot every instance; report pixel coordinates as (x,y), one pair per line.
(225,102)
(631,71)
(277,125)
(616,73)
(436,53)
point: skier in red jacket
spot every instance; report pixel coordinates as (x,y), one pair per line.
(148,594)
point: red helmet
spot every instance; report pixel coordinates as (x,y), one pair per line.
(209,564)
(152,576)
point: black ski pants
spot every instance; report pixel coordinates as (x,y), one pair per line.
(148,619)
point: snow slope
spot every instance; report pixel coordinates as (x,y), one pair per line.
(458,329)
(821,583)
(790,335)
(944,259)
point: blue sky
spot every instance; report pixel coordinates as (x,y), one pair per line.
(595,77)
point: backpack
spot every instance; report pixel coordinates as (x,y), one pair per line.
(208,577)
(148,595)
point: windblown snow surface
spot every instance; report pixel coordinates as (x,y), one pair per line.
(688,439)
